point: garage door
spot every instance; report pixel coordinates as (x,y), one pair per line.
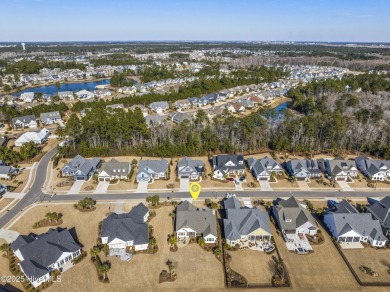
(185,176)
(79,178)
(263,178)
(101,179)
(301,178)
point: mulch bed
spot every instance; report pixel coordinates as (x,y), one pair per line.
(46,223)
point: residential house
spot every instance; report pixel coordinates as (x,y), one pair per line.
(116,106)
(227,164)
(39,255)
(263,168)
(6,172)
(374,169)
(24,122)
(346,224)
(143,109)
(154,120)
(245,224)
(84,94)
(114,170)
(65,95)
(102,92)
(179,118)
(293,218)
(128,230)
(190,168)
(235,107)
(36,137)
(50,118)
(182,104)
(303,169)
(256,100)
(193,222)
(152,169)
(127,90)
(159,106)
(380,211)
(27,96)
(338,168)
(81,168)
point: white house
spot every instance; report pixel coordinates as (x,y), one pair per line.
(374,169)
(84,94)
(27,96)
(36,137)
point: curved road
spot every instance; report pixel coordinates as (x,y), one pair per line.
(35,193)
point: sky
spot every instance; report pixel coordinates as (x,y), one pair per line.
(242,20)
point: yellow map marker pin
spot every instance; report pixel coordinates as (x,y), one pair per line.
(195,190)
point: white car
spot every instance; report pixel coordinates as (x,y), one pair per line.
(229,195)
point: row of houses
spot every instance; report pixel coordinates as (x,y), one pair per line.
(30,121)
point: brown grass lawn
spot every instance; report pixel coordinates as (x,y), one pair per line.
(4,202)
(162,183)
(22,177)
(322,270)
(376,259)
(251,264)
(123,185)
(196,268)
(50,144)
(283,183)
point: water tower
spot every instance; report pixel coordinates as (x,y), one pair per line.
(24,46)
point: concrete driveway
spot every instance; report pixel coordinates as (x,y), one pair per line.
(76,187)
(265,186)
(142,187)
(102,187)
(8,235)
(345,186)
(303,185)
(184,185)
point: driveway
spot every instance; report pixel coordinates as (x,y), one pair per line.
(8,235)
(142,187)
(102,187)
(345,186)
(265,186)
(184,184)
(76,187)
(303,185)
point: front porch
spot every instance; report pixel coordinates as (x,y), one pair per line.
(297,243)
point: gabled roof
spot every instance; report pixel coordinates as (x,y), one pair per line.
(127,227)
(114,167)
(50,116)
(381,211)
(345,207)
(228,162)
(309,165)
(79,163)
(152,166)
(264,164)
(187,165)
(244,221)
(24,119)
(232,203)
(42,251)
(202,221)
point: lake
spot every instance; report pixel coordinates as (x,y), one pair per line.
(52,89)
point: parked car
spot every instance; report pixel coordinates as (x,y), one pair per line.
(230,179)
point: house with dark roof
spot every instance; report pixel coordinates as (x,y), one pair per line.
(303,169)
(179,118)
(190,168)
(374,169)
(6,172)
(24,122)
(114,170)
(293,218)
(81,168)
(120,231)
(227,165)
(263,168)
(347,225)
(244,224)
(152,169)
(193,222)
(338,168)
(380,211)
(41,254)
(159,106)
(153,121)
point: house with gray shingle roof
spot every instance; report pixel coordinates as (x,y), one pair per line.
(182,104)
(263,168)
(6,172)
(190,168)
(120,231)
(380,210)
(39,255)
(24,122)
(115,106)
(244,224)
(114,170)
(374,169)
(50,118)
(227,164)
(293,218)
(152,169)
(143,109)
(159,106)
(346,225)
(81,168)
(153,121)
(303,169)
(192,222)
(338,168)
(179,118)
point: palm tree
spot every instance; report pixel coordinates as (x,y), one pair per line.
(103,269)
(94,251)
(217,252)
(172,240)
(5,248)
(49,216)
(201,241)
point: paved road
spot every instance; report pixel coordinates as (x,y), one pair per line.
(207,194)
(35,192)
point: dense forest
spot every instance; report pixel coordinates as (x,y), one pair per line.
(33,67)
(324,117)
